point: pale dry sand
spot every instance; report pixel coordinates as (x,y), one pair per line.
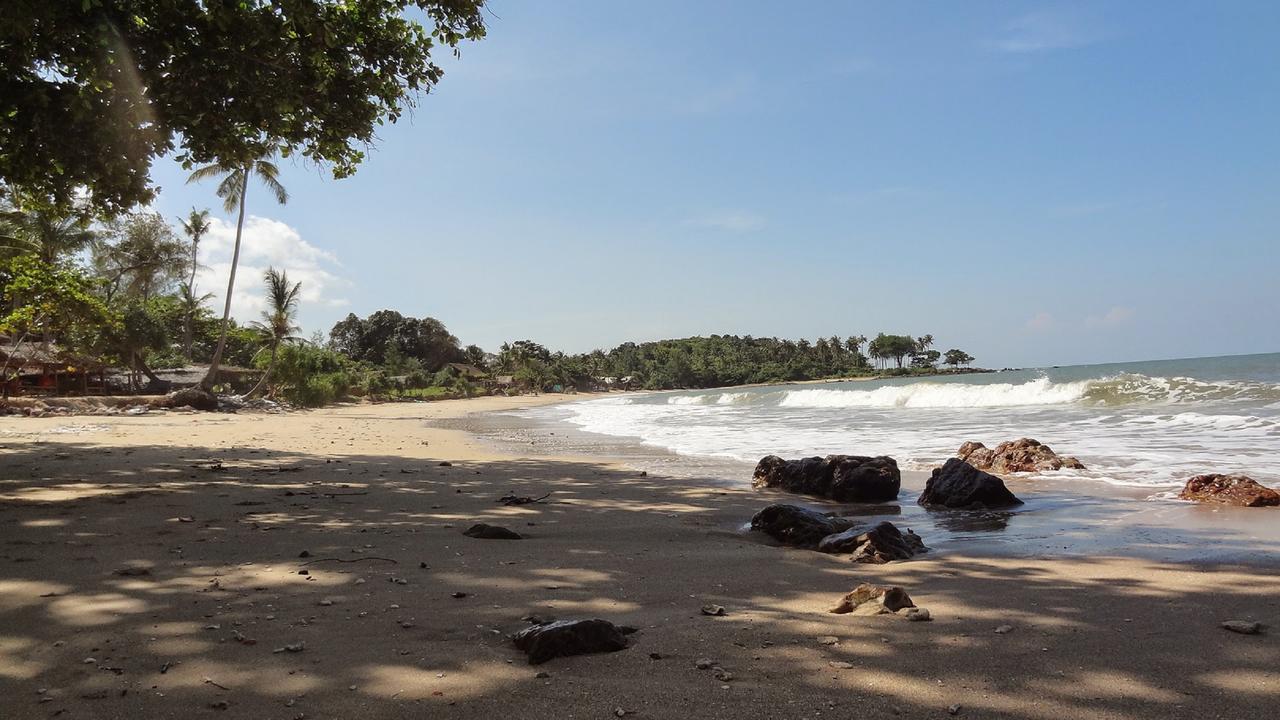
(219,507)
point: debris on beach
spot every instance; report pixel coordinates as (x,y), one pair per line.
(713,610)
(570,637)
(134,569)
(1240,490)
(1244,627)
(957,484)
(484,531)
(1024,455)
(192,397)
(513,499)
(847,478)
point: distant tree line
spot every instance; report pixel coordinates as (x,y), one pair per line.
(419,352)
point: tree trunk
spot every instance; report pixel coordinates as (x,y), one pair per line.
(266,376)
(216,360)
(188,336)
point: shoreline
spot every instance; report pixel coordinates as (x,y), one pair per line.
(214,511)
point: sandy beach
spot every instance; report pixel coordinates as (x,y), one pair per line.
(151,569)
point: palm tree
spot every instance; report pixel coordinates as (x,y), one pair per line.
(196,225)
(278,321)
(48,235)
(232,189)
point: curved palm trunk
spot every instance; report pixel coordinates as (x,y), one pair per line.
(266,376)
(207,382)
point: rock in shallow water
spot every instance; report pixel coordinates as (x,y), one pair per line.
(880,544)
(570,637)
(957,484)
(1023,455)
(794,525)
(847,478)
(1239,490)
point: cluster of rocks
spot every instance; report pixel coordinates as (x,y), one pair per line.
(1016,456)
(800,527)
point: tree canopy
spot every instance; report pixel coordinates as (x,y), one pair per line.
(387,331)
(91,91)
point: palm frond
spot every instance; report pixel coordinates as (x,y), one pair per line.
(269,174)
(211,170)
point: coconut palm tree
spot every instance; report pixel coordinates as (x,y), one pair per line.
(232,189)
(48,235)
(195,226)
(278,322)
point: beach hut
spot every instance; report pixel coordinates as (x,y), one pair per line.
(469,372)
(42,367)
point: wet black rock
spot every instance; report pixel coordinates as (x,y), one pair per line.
(794,525)
(957,484)
(846,478)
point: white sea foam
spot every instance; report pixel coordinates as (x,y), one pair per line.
(1128,429)
(943,395)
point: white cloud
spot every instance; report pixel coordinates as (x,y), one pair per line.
(1040,321)
(1047,30)
(1116,316)
(266,243)
(729,221)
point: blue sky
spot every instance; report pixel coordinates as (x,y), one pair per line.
(1036,183)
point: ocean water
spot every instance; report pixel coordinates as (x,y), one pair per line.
(1145,424)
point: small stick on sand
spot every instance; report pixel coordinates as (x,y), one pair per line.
(309,562)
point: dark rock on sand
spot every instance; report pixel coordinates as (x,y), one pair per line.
(868,599)
(1244,627)
(1238,490)
(957,484)
(192,397)
(793,525)
(1024,455)
(491,532)
(570,637)
(881,544)
(847,478)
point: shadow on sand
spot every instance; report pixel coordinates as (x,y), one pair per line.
(218,534)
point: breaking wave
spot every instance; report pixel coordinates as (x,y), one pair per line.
(1117,390)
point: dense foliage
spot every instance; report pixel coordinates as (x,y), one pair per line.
(406,343)
(715,361)
(91,91)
